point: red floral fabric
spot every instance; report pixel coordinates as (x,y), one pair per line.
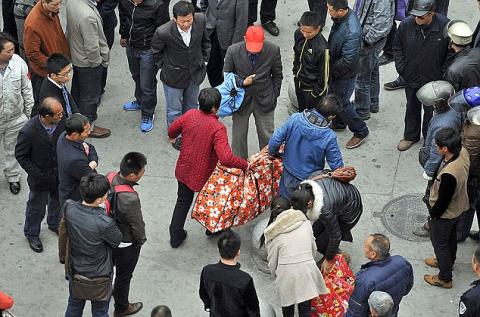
(340,283)
(232,198)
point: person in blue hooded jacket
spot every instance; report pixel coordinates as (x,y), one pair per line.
(309,141)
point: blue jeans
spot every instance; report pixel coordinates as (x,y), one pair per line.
(144,73)
(35,212)
(288,184)
(179,101)
(343,89)
(75,306)
(367,85)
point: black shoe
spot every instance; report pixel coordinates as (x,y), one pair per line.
(210,234)
(176,244)
(177,145)
(15,187)
(132,309)
(271,28)
(54,230)
(474,235)
(374,109)
(385,59)
(394,85)
(35,244)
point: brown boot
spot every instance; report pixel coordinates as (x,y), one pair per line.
(132,309)
(404,145)
(432,261)
(99,132)
(434,280)
(355,142)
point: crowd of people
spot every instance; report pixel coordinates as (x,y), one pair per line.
(98,218)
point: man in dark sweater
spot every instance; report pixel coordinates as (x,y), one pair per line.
(54,85)
(225,290)
(448,200)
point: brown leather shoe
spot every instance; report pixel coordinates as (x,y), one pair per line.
(434,280)
(99,132)
(404,145)
(132,309)
(431,261)
(354,142)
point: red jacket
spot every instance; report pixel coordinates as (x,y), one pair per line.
(204,143)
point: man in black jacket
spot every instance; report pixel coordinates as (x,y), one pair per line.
(91,235)
(310,62)
(469,305)
(128,214)
(78,158)
(138,22)
(225,290)
(54,85)
(36,153)
(182,48)
(420,51)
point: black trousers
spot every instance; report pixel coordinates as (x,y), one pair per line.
(215,63)
(321,234)
(413,116)
(9,25)
(319,6)
(305,99)
(87,89)
(184,202)
(267,11)
(443,234)
(125,261)
(304,310)
(465,221)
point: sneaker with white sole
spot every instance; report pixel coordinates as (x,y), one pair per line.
(146,125)
(131,106)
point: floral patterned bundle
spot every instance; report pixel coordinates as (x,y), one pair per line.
(340,283)
(232,198)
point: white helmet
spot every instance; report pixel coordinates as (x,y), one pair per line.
(434,92)
(459,32)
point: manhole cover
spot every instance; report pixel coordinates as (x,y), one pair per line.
(404,214)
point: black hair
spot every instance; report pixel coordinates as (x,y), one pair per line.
(338,4)
(183,8)
(5,38)
(229,244)
(45,107)
(56,62)
(93,186)
(381,245)
(476,255)
(301,197)
(75,123)
(329,105)
(132,162)
(161,311)
(208,99)
(310,18)
(277,206)
(449,138)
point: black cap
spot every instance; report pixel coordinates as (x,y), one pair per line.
(422,7)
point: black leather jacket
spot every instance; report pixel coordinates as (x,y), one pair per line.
(91,235)
(309,61)
(139,22)
(464,69)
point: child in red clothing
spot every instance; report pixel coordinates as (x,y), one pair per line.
(204,143)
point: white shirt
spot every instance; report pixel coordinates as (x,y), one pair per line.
(186,36)
(54,82)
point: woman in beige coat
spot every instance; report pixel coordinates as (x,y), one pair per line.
(291,249)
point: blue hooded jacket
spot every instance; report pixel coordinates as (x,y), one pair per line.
(307,144)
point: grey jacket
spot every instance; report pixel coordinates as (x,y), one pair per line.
(16,96)
(376,18)
(228,17)
(91,237)
(85,36)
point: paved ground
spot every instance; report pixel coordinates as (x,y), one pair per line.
(167,276)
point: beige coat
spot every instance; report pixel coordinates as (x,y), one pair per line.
(291,249)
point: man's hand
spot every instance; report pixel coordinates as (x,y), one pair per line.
(249,80)
(327,266)
(93,165)
(123,42)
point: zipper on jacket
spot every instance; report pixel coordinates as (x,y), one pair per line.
(300,61)
(131,25)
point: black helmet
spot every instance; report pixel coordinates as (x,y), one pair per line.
(422,7)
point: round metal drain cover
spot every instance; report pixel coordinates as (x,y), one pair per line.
(404,214)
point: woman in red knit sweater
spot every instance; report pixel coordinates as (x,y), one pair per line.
(204,143)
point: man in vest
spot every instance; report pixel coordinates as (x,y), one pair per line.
(448,200)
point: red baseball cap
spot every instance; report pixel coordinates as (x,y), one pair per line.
(6,302)
(254,38)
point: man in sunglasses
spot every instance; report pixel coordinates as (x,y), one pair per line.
(419,50)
